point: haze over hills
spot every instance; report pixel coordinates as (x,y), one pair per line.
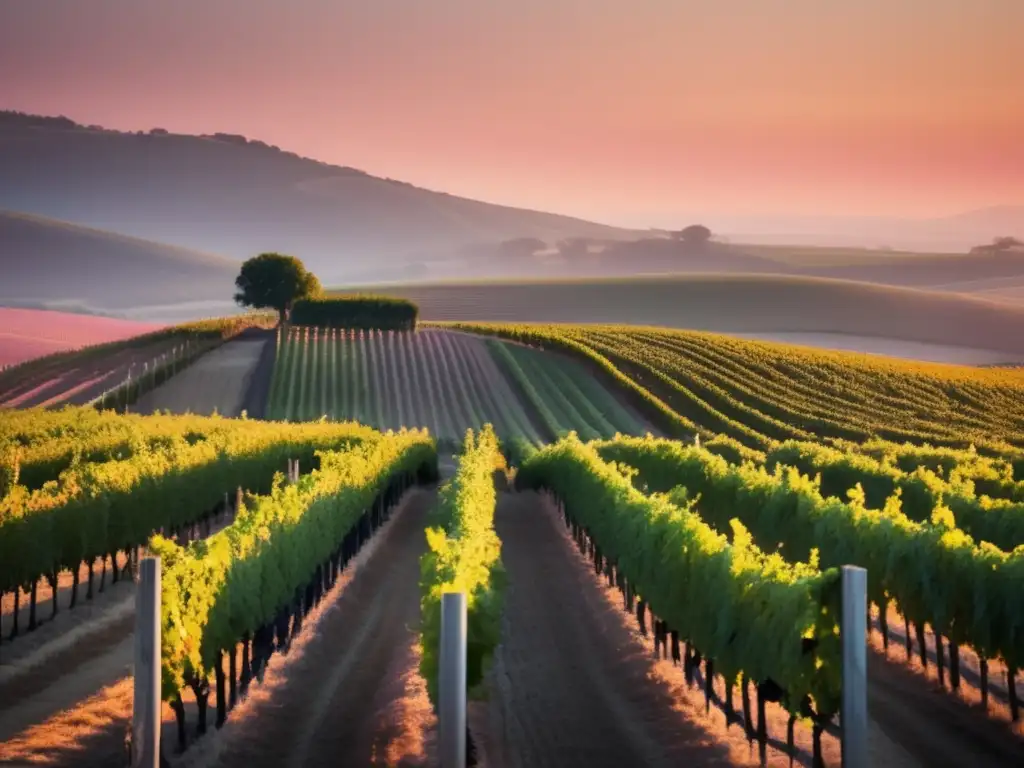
(187,209)
(49,263)
(229,195)
(792,308)
(954,233)
(224,194)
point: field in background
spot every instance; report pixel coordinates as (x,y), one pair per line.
(137,363)
(444,381)
(737,304)
(835,256)
(757,392)
(26,334)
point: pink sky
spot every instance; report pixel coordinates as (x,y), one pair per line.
(630,112)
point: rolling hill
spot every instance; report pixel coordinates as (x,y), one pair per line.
(753,304)
(53,264)
(225,194)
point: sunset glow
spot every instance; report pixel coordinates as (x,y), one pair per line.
(627,112)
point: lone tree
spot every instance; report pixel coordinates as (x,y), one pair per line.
(695,234)
(275,281)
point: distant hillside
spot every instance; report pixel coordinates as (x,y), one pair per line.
(732,304)
(225,194)
(958,232)
(47,262)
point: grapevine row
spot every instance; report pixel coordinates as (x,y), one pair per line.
(757,392)
(753,614)
(435,379)
(101,508)
(565,396)
(44,443)
(921,492)
(966,591)
(464,555)
(995,477)
(254,582)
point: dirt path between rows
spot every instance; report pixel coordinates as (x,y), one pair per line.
(350,695)
(574,682)
(349,685)
(934,726)
(570,686)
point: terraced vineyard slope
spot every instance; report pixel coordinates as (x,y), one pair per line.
(760,393)
(445,381)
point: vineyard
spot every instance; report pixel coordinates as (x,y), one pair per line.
(760,393)
(116,373)
(652,573)
(443,381)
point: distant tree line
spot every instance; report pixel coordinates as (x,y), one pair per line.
(1000,245)
(361,312)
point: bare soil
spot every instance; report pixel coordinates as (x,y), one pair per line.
(571,685)
(113,598)
(217,382)
(257,393)
(81,718)
(603,699)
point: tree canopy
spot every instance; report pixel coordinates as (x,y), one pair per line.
(274,281)
(694,234)
(1000,245)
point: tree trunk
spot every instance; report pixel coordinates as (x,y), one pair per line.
(88,591)
(54,599)
(789,738)
(762,728)
(748,720)
(709,684)
(17,607)
(883,624)
(954,665)
(983,671)
(201,689)
(232,677)
(179,715)
(74,585)
(730,712)
(923,648)
(246,676)
(221,699)
(817,760)
(32,606)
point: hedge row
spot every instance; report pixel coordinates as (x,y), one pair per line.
(365,312)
